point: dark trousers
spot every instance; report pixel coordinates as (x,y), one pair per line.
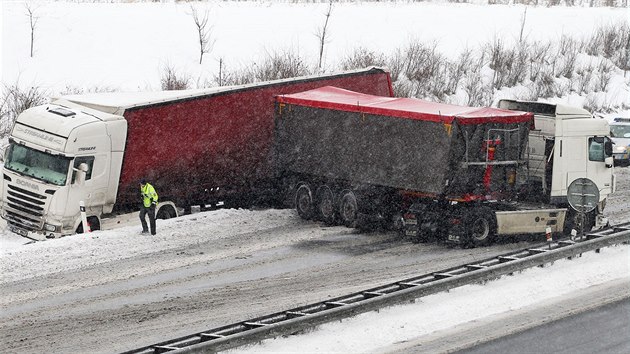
(151,212)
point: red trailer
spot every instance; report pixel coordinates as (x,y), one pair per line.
(203,146)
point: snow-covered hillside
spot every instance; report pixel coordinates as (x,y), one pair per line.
(81,47)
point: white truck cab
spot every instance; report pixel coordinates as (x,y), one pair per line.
(59,155)
(567,143)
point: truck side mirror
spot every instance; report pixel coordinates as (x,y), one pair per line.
(608,148)
(81,172)
(609,161)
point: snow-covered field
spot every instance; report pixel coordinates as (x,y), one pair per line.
(81,46)
(126,46)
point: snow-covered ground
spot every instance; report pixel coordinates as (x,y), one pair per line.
(126,46)
(379,331)
(369,332)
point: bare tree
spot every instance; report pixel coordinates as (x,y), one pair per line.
(33,18)
(523,19)
(206,42)
(321,34)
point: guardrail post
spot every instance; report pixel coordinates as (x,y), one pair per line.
(86,226)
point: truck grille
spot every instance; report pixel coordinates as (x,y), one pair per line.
(24,209)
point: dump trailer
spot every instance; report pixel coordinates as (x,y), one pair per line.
(452,171)
(196,147)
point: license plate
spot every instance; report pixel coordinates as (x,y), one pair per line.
(411,232)
(19,231)
(411,222)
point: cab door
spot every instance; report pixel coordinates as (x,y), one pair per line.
(596,169)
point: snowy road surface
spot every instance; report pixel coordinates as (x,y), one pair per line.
(110,291)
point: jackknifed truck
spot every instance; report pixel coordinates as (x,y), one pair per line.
(197,147)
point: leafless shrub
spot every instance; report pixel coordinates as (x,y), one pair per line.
(426,68)
(545,84)
(501,60)
(585,79)
(280,66)
(458,70)
(538,56)
(608,40)
(604,73)
(172,80)
(362,58)
(592,104)
(479,94)
(622,57)
(230,78)
(403,88)
(396,64)
(569,51)
(14,101)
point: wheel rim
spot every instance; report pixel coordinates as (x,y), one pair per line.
(326,207)
(480,229)
(304,201)
(348,209)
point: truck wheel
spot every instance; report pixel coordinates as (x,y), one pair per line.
(304,202)
(165,213)
(573,220)
(348,209)
(480,226)
(326,204)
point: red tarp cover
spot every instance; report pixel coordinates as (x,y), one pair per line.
(330,97)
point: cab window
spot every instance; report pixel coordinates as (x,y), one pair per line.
(596,149)
(89,160)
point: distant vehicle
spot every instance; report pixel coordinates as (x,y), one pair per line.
(620,135)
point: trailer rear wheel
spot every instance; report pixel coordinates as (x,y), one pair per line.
(326,204)
(480,226)
(304,201)
(348,208)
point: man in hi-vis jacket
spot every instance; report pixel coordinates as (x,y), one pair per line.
(149,203)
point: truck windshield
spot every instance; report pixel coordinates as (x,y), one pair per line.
(30,162)
(620,131)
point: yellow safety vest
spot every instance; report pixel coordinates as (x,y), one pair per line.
(148,195)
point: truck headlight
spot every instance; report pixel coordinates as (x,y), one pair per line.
(49,227)
(620,148)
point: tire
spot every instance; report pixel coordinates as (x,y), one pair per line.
(165,213)
(304,202)
(574,219)
(93,223)
(480,226)
(348,209)
(326,205)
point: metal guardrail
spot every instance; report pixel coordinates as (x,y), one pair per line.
(304,317)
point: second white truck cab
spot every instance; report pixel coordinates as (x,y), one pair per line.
(566,144)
